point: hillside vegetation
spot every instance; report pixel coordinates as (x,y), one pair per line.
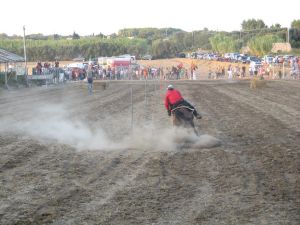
(160,43)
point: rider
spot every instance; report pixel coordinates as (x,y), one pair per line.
(173,99)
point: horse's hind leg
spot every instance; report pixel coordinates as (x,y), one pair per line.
(193,126)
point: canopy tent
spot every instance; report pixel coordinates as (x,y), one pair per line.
(6,57)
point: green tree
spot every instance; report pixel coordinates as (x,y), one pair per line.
(295,24)
(253,24)
(75,36)
(3,35)
(295,37)
(222,43)
(55,37)
(202,39)
(163,49)
(262,45)
(275,26)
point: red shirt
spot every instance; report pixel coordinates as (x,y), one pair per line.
(172,97)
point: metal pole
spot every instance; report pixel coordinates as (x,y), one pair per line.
(283,72)
(131,93)
(193,40)
(6,85)
(25,55)
(145,97)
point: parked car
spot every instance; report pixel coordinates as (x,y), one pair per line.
(180,55)
(194,55)
(287,57)
(210,56)
(147,57)
(243,59)
(253,58)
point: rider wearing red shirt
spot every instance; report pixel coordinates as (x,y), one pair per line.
(174,98)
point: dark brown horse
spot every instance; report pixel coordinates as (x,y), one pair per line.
(182,116)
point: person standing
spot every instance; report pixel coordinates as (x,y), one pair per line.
(193,71)
(243,71)
(90,78)
(229,71)
(56,71)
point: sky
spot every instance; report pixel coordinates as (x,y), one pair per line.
(109,16)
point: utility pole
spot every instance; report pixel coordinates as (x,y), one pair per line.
(193,39)
(25,57)
(287,35)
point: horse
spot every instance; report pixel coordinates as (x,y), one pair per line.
(182,116)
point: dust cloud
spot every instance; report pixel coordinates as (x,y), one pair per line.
(167,139)
(52,123)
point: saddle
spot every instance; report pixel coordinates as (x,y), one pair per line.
(183,112)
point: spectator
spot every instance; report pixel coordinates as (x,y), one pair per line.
(39,68)
(243,71)
(90,78)
(229,71)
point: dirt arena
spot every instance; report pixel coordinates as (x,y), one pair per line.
(70,158)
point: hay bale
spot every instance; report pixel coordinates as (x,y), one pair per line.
(281,47)
(257,83)
(101,84)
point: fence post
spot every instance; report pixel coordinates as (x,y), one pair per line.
(6,72)
(131,94)
(145,98)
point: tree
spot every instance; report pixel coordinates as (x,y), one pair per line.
(262,45)
(295,24)
(295,37)
(75,36)
(55,36)
(253,24)
(3,35)
(100,35)
(275,26)
(163,49)
(222,43)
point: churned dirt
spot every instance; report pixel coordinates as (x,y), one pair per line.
(114,158)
